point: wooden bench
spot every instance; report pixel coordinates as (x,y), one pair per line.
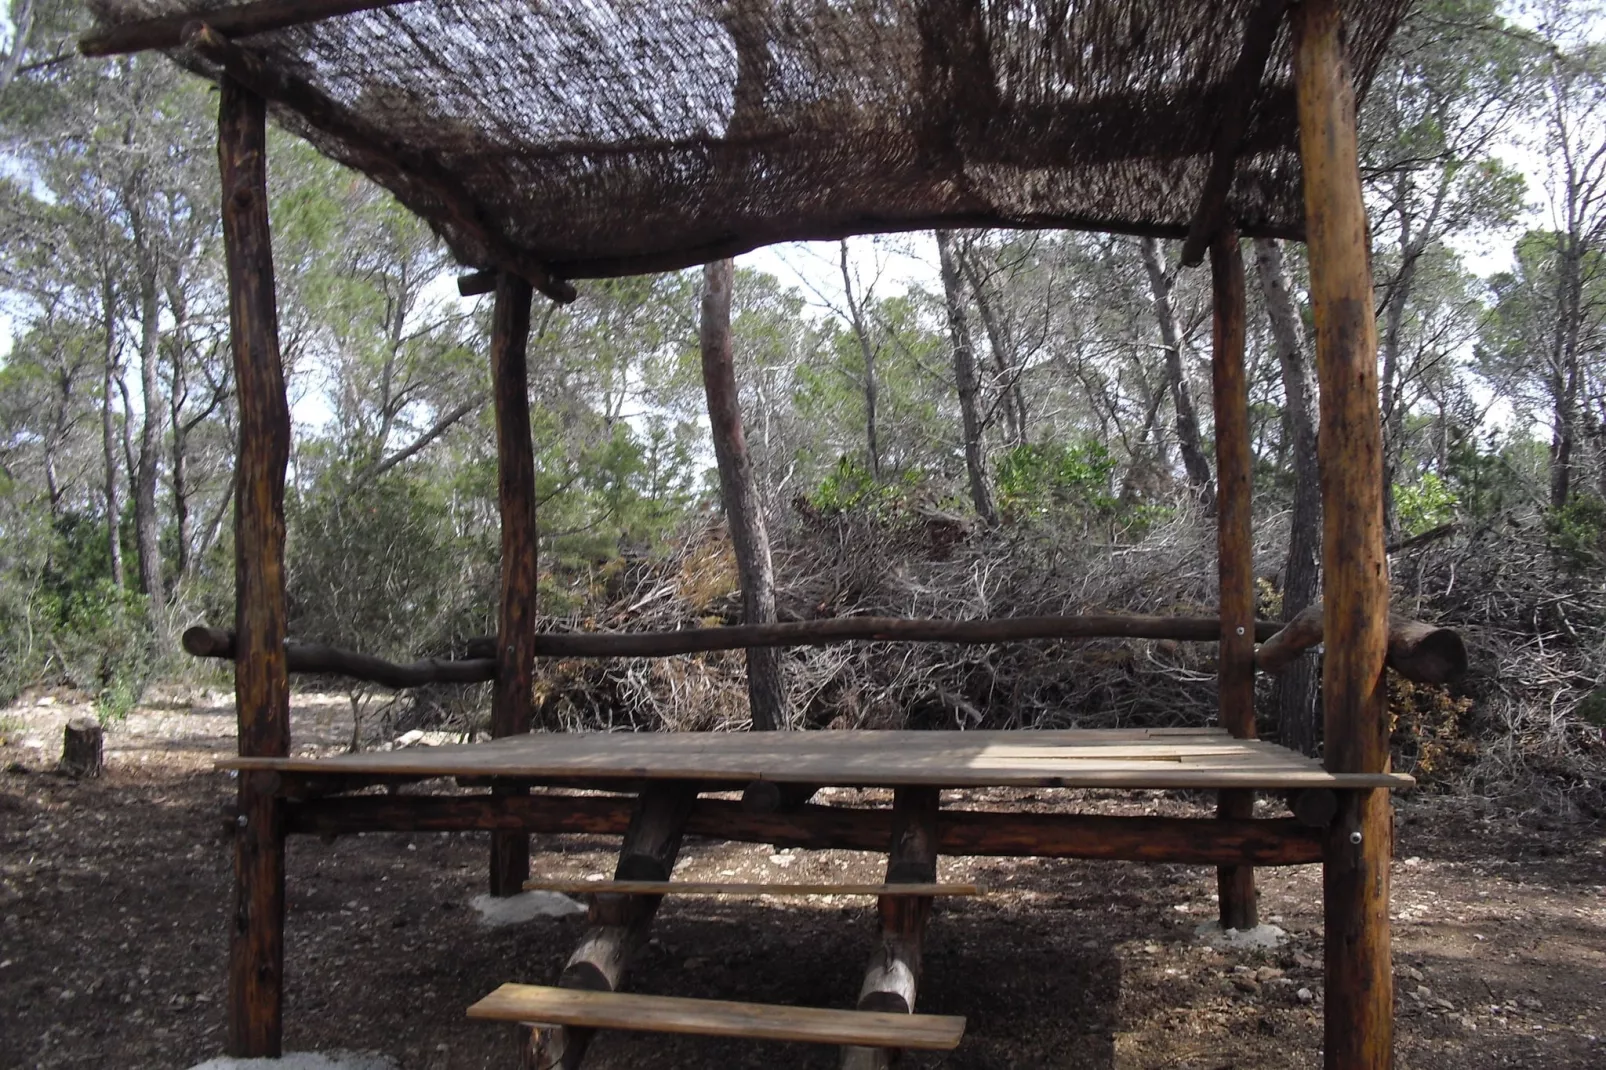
(547,1005)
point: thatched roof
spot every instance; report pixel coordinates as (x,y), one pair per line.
(608,137)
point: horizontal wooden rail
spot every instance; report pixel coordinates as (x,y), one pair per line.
(207,642)
(302,657)
(1189,841)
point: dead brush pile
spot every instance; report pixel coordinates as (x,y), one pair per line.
(859,563)
(1524,728)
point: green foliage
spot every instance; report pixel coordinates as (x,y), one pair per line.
(1424,505)
(1034,480)
(850,487)
(1578,532)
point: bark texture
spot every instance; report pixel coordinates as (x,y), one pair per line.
(738,484)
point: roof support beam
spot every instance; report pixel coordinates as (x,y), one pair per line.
(264,16)
(1260,30)
(306,100)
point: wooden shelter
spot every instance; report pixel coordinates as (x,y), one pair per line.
(548,141)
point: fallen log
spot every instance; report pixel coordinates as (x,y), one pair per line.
(480,666)
(1424,653)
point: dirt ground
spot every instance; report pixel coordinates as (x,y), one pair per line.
(112,933)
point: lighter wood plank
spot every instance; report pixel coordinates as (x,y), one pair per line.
(1068,758)
(757,1021)
(569,886)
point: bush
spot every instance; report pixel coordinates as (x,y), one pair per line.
(1578,533)
(1424,506)
(102,645)
(1036,480)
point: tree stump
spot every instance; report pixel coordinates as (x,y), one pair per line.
(81,748)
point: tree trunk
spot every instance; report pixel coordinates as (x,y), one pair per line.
(81,753)
(871,387)
(965,379)
(147,529)
(108,431)
(739,490)
(1188,439)
(1569,309)
(178,448)
(1297,690)
(1011,397)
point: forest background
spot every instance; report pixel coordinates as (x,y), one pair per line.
(989,423)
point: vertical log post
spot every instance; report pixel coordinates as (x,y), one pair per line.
(261,686)
(891,979)
(1360,984)
(515,462)
(1235,885)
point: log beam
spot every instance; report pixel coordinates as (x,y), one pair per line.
(892,978)
(1238,100)
(261,683)
(1184,841)
(652,840)
(1420,652)
(1359,1012)
(480,667)
(1235,885)
(205,642)
(515,464)
(375,150)
(264,16)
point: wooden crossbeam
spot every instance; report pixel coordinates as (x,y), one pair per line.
(264,16)
(376,151)
(1260,30)
(739,888)
(707,1017)
(1179,840)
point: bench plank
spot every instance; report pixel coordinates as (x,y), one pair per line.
(706,1017)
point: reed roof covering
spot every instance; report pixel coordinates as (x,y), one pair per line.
(610,137)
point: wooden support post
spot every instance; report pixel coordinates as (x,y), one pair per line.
(261,683)
(1360,983)
(891,980)
(1235,885)
(515,462)
(599,964)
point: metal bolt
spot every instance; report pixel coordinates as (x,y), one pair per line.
(1355,838)
(241,821)
(1240,629)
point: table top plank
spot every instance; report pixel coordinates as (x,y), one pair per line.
(1025,758)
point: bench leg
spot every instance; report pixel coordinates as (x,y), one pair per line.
(600,963)
(893,975)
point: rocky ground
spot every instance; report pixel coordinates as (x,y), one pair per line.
(112,927)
